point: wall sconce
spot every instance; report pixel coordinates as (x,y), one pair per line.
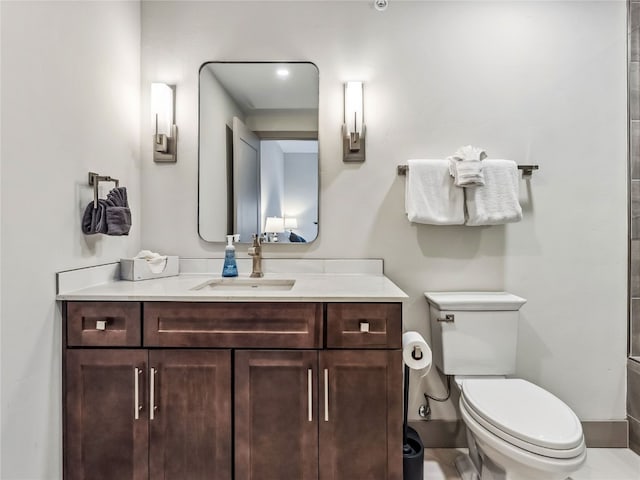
(272,227)
(353,146)
(163,119)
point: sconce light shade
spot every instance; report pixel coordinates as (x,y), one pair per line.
(163,122)
(353,130)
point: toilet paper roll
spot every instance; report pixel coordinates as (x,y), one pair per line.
(415,352)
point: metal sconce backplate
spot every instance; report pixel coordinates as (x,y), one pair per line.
(349,155)
(165,148)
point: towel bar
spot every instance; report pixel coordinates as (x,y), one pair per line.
(402,169)
(94,181)
(527,170)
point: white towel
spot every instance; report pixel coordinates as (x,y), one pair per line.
(466,166)
(496,202)
(466,172)
(470,152)
(430,195)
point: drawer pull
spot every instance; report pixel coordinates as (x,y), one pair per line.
(310,393)
(101,325)
(364,326)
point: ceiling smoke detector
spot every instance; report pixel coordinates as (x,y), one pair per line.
(381,4)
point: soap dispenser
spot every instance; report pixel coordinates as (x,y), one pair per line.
(230,268)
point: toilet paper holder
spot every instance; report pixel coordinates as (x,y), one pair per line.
(417,353)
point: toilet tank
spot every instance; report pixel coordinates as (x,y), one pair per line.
(474,333)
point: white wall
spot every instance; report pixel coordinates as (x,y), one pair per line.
(272,177)
(300,120)
(539,82)
(218,109)
(300,181)
(70,104)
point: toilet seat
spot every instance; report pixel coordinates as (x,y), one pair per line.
(524,415)
(500,450)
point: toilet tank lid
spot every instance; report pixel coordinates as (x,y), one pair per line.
(475,301)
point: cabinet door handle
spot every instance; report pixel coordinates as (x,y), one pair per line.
(152,394)
(326,394)
(310,393)
(136,393)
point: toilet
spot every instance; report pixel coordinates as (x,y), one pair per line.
(516,430)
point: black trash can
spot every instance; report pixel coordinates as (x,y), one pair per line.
(413,456)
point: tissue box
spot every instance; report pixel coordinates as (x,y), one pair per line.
(135,269)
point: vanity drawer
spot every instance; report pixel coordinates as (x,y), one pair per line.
(364,325)
(103,324)
(233,325)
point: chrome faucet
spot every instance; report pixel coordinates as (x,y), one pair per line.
(255,251)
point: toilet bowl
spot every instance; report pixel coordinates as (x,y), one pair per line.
(521,431)
(516,430)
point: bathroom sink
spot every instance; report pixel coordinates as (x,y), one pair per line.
(245,284)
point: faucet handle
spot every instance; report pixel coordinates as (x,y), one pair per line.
(256,239)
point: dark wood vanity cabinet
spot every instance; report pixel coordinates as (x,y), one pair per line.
(331,415)
(276,414)
(139,414)
(360,414)
(190,414)
(277,400)
(102,438)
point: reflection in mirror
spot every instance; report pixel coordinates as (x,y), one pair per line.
(258,151)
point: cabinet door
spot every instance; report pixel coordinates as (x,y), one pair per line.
(190,414)
(106,427)
(361,415)
(276,420)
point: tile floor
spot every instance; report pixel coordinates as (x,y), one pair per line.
(602,464)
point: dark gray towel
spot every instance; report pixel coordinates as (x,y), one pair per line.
(118,220)
(118,213)
(94,220)
(117,197)
(111,217)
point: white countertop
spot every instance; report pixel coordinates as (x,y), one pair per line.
(308,287)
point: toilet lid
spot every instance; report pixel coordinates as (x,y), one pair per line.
(524,411)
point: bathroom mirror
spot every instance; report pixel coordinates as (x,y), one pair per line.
(258,151)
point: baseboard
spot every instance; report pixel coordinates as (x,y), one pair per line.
(451,433)
(441,433)
(634,434)
(612,434)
